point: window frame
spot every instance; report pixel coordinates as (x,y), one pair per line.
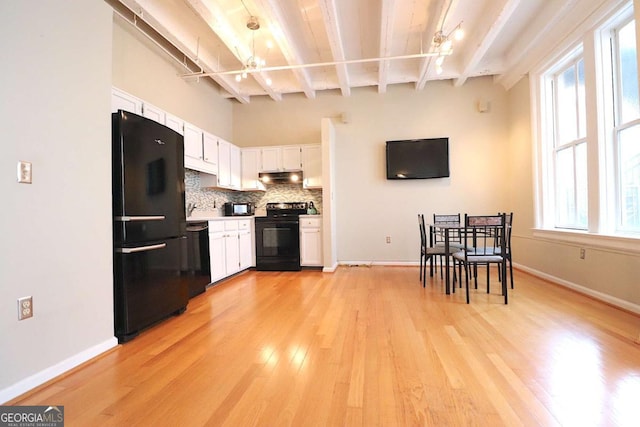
(601,230)
(570,62)
(617,125)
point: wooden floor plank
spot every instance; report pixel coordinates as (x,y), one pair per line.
(365,346)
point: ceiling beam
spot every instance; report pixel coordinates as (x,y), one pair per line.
(273,12)
(330,17)
(519,59)
(154,15)
(217,20)
(491,28)
(432,26)
(387,18)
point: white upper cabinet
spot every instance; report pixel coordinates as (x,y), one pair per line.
(282,158)
(235,168)
(291,158)
(307,158)
(210,150)
(224,163)
(192,142)
(312,166)
(218,159)
(249,169)
(154,113)
(270,159)
(121,100)
(175,123)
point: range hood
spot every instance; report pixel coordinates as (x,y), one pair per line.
(291,177)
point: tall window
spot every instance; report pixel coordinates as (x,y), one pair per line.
(589,105)
(569,144)
(627,127)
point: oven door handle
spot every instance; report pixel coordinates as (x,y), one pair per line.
(279,221)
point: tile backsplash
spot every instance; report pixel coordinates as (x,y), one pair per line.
(209,199)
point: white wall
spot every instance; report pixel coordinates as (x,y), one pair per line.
(144,70)
(65,56)
(55,85)
(369,207)
(611,275)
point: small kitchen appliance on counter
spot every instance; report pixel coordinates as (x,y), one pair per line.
(311,210)
(238,209)
(278,237)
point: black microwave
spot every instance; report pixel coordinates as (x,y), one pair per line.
(238,209)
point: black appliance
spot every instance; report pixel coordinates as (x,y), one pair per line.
(238,209)
(148,223)
(418,158)
(290,177)
(278,237)
(198,269)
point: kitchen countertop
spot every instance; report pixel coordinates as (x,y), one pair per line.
(199,216)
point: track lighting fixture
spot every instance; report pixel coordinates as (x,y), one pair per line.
(443,44)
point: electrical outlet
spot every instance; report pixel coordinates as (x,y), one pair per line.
(25,308)
(388,239)
(582,253)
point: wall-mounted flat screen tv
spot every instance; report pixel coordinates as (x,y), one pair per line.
(418,158)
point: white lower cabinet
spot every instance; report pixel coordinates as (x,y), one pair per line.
(247,243)
(230,246)
(311,241)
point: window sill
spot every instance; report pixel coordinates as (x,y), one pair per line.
(623,244)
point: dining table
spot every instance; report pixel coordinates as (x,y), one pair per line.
(446,229)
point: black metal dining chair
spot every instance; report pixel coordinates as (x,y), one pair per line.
(484,237)
(428,251)
(437,237)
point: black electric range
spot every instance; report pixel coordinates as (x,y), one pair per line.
(278,237)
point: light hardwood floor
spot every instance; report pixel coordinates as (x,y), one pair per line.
(365,346)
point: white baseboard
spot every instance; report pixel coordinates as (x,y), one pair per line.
(384,263)
(330,269)
(617,302)
(51,372)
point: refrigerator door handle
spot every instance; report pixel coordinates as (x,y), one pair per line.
(140,249)
(140,218)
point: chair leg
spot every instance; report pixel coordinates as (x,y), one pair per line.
(421,259)
(424,274)
(488,272)
(475,274)
(430,266)
(454,271)
(510,271)
(466,281)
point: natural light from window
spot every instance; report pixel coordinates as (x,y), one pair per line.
(589,133)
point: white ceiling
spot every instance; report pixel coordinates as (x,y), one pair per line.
(503,38)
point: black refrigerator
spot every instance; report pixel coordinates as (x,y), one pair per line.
(148,223)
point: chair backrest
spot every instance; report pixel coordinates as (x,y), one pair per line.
(487,234)
(423,233)
(446,219)
(509,227)
(455,236)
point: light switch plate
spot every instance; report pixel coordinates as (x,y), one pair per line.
(24,172)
